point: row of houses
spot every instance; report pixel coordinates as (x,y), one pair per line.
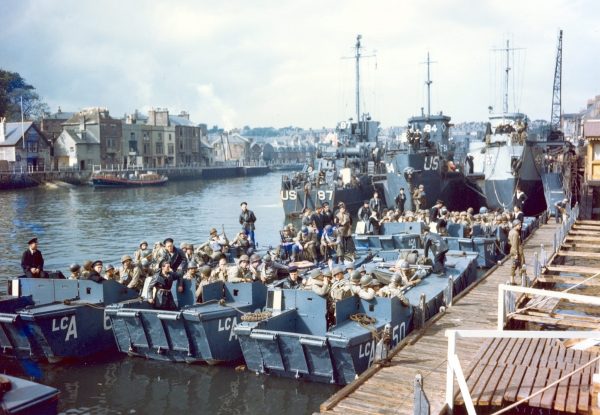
(92,137)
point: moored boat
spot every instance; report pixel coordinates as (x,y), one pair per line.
(105,179)
(22,397)
(194,332)
(58,318)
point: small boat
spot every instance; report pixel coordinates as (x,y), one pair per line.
(20,396)
(103,179)
(201,332)
(54,319)
(294,340)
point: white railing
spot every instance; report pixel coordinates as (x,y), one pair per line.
(564,228)
(454,368)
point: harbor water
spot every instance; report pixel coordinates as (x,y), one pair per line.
(75,223)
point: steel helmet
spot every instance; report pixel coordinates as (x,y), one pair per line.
(74,267)
(355,276)
(366,280)
(396,278)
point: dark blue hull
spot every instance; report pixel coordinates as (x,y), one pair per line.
(195,333)
(29,398)
(67,320)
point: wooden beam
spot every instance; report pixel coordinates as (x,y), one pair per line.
(588,222)
(581,238)
(573,269)
(578,245)
(556,279)
(585,233)
(555,321)
(591,255)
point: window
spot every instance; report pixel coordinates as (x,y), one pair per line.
(170,138)
(171,149)
(159,148)
(160,136)
(596,155)
(133,146)
(110,143)
(146,137)
(181,145)
(132,135)
(32,147)
(146,148)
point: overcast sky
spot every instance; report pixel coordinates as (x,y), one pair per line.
(278,63)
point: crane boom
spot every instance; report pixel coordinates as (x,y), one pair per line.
(555,133)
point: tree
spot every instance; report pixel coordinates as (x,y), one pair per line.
(13,88)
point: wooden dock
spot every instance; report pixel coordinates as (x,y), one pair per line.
(389,388)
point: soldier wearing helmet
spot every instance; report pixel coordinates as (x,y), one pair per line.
(220,272)
(142,252)
(205,279)
(319,282)
(561,210)
(305,243)
(75,270)
(241,272)
(110,273)
(516,251)
(438,246)
(394,289)
(366,291)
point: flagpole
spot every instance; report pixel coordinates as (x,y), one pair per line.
(22,122)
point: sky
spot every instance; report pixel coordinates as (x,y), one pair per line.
(280,63)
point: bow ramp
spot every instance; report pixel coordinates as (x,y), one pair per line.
(192,333)
(294,341)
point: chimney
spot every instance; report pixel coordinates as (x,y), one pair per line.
(2,129)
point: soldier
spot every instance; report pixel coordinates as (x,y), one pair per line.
(561,210)
(111,273)
(267,273)
(220,273)
(96,273)
(173,255)
(247,220)
(293,281)
(520,198)
(142,252)
(364,213)
(435,214)
(419,198)
(32,261)
(241,272)
(306,242)
(75,271)
(394,289)
(518,214)
(327,214)
(366,292)
(87,269)
(192,272)
(188,255)
(320,282)
(127,270)
(442,223)
(375,204)
(346,247)
(329,243)
(340,287)
(516,251)
(438,246)
(400,201)
(355,282)
(218,244)
(161,284)
(205,279)
(241,241)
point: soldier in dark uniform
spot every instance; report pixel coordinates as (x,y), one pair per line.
(96,273)
(400,201)
(327,215)
(520,198)
(438,246)
(162,281)
(32,261)
(375,204)
(173,255)
(293,281)
(247,220)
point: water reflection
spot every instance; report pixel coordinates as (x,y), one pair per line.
(78,223)
(135,385)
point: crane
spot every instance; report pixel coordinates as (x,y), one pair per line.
(555,132)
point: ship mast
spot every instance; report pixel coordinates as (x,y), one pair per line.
(428,83)
(357,57)
(508,49)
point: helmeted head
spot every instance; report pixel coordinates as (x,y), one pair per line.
(516,223)
(110,268)
(305,230)
(483,210)
(355,276)
(316,274)
(126,259)
(144,263)
(205,271)
(337,272)
(192,265)
(74,267)
(143,244)
(366,280)
(396,278)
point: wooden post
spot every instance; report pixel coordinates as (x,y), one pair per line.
(543,258)
(449,371)
(423,306)
(536,267)
(449,292)
(501,313)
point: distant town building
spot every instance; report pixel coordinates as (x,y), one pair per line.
(76,150)
(52,125)
(98,123)
(23,147)
(230,147)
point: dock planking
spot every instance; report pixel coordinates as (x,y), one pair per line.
(470,310)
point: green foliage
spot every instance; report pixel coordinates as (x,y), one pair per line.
(12,88)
